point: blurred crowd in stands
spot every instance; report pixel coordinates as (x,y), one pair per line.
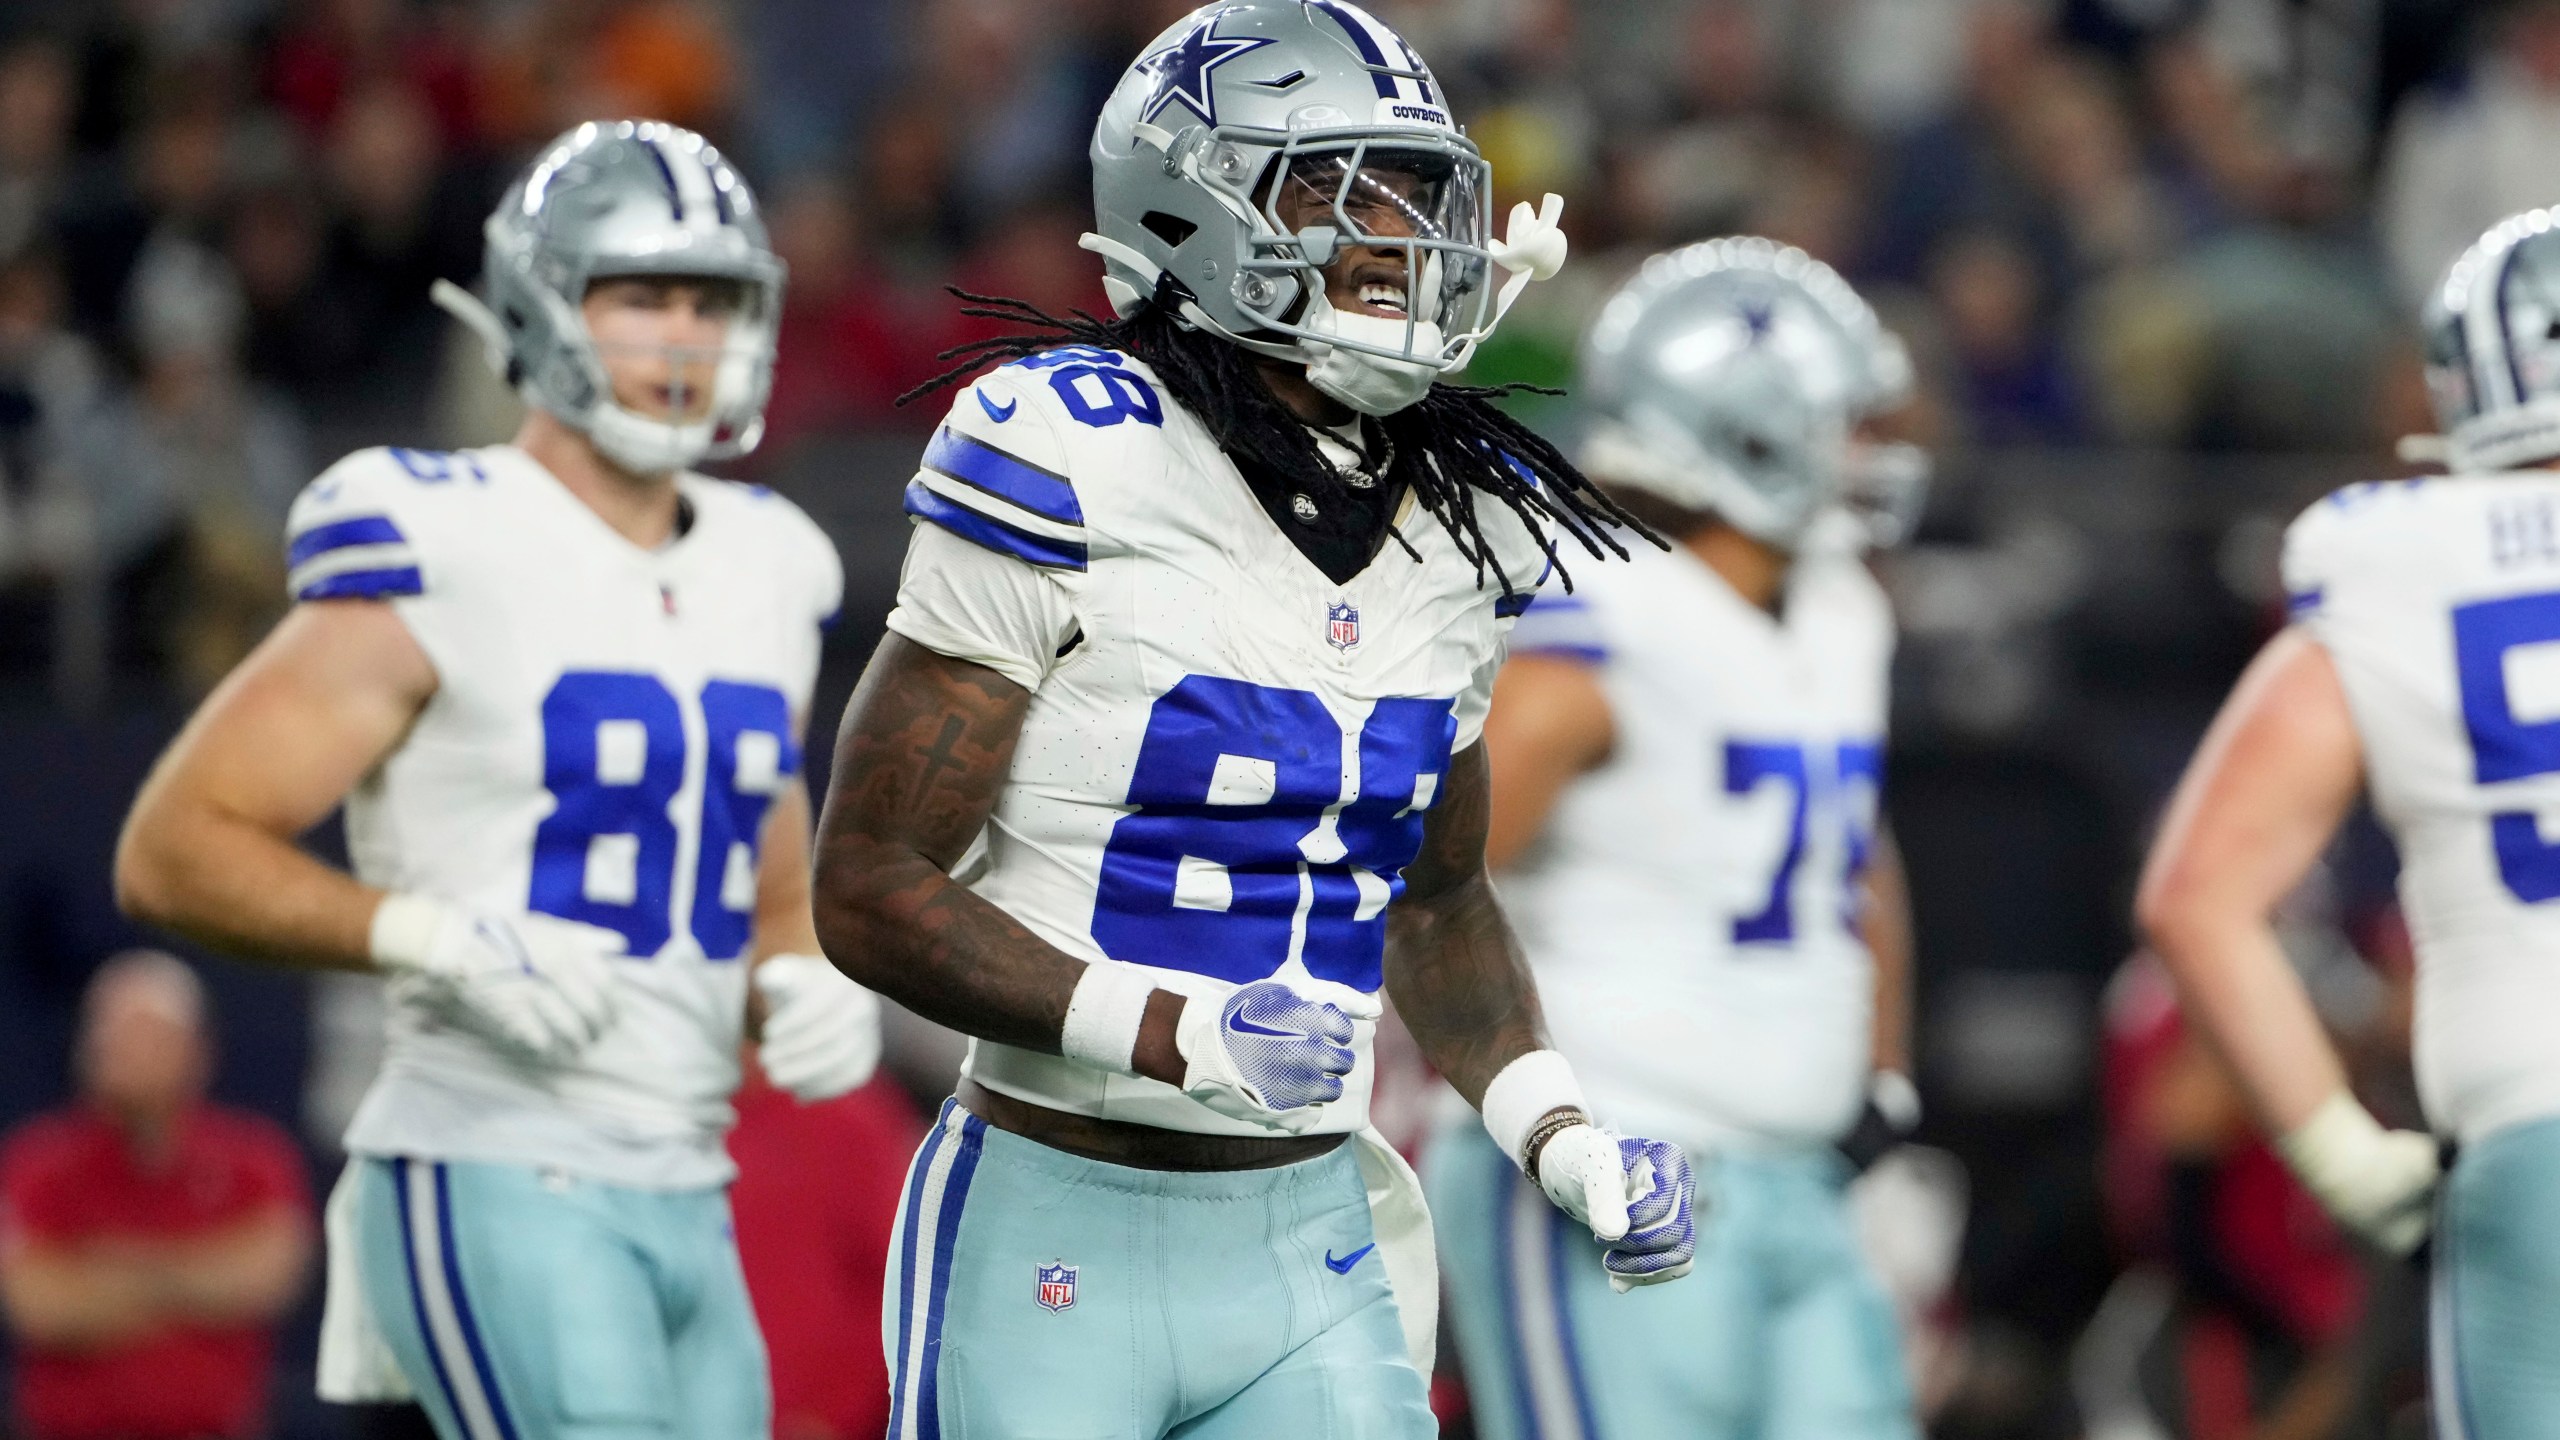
(2164,223)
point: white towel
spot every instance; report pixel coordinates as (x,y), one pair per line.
(1403,1226)
(356,1364)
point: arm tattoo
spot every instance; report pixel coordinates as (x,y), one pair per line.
(1454,971)
(925,745)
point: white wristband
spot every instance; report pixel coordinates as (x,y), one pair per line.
(1103,1016)
(404,930)
(1524,1093)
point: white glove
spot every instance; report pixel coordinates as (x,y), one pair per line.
(821,1030)
(1637,1196)
(537,986)
(2379,1183)
(1269,1054)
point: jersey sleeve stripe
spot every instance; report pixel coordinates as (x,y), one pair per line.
(319,540)
(926,503)
(1578,654)
(974,462)
(383,584)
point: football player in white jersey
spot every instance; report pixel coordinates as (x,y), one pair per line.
(1686,753)
(1170,767)
(558,686)
(2418,670)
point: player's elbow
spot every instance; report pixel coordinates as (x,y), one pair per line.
(146,867)
(2173,908)
(859,903)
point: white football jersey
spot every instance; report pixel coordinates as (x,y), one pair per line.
(2439,602)
(609,728)
(1227,757)
(1690,905)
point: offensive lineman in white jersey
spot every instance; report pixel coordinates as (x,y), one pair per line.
(559,687)
(1687,752)
(2418,670)
(1170,767)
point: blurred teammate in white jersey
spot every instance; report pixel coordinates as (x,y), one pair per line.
(559,687)
(2422,669)
(1686,756)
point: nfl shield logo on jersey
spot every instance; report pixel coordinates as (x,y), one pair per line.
(1057,1285)
(1342,624)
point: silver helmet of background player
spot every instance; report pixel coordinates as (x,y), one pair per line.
(617,199)
(1196,146)
(1725,377)
(2493,347)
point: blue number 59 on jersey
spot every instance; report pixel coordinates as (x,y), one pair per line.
(1260,829)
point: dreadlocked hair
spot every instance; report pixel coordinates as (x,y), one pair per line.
(1448,447)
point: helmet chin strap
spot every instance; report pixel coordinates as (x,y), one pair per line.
(1368,382)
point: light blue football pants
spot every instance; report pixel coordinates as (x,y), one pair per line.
(2495,1317)
(1780,1333)
(1036,1295)
(528,1305)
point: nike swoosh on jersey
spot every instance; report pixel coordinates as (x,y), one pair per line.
(998,416)
(1343,1265)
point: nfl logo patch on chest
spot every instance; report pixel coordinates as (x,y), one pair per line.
(1057,1285)
(1342,624)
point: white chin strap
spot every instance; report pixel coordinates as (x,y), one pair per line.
(644,446)
(1370,383)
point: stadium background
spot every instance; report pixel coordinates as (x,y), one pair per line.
(2156,259)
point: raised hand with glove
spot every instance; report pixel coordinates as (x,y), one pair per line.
(821,1033)
(1638,1196)
(538,987)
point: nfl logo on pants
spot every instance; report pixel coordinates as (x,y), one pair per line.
(1057,1285)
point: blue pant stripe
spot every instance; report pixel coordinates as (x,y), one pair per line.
(2444,1342)
(1506,1266)
(955,1196)
(1559,1248)
(418,1294)
(903,1283)
(462,1305)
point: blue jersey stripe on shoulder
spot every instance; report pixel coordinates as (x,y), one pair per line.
(972,461)
(365,585)
(993,534)
(1579,654)
(338,535)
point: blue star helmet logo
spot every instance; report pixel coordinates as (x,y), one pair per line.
(1757,316)
(1182,73)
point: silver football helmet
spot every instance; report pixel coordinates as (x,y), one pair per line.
(1725,377)
(2493,347)
(1243,106)
(624,198)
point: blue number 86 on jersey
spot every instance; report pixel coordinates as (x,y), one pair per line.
(614,758)
(1255,836)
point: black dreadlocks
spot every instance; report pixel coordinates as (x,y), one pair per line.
(1446,447)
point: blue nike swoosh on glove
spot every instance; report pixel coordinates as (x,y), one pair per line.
(998,416)
(1242,1026)
(1343,1265)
